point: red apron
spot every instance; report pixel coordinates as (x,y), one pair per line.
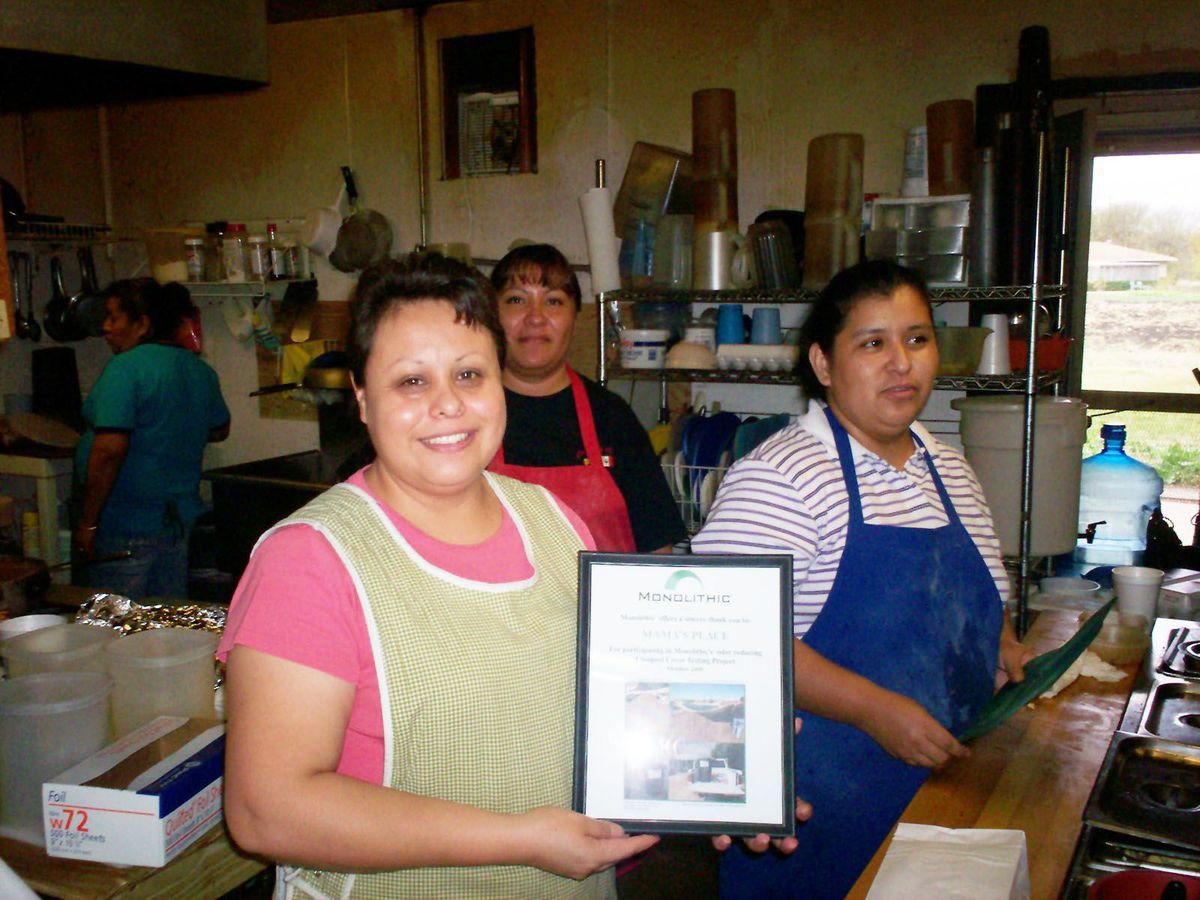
(588,489)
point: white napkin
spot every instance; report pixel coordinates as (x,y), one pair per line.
(951,863)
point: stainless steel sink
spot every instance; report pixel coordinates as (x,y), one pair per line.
(1150,787)
(1173,712)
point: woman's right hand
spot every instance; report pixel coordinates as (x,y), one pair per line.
(905,730)
(574,845)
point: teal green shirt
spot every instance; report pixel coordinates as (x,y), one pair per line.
(168,400)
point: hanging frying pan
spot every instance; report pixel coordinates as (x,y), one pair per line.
(88,306)
(365,237)
(54,316)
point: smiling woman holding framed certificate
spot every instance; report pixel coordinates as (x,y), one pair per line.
(685,693)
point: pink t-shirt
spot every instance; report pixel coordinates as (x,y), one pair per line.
(296,601)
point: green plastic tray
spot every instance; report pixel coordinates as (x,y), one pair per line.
(1040,673)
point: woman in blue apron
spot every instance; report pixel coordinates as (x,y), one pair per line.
(900,625)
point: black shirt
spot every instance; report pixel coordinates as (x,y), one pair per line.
(544,432)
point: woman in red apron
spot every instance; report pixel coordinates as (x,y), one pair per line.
(564,431)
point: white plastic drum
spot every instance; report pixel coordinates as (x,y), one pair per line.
(993,433)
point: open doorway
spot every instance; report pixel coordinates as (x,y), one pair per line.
(1141,336)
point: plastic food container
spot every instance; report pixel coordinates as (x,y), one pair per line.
(644,348)
(1122,638)
(48,723)
(959,349)
(161,672)
(1081,588)
(59,648)
(1180,600)
(10,628)
(1051,353)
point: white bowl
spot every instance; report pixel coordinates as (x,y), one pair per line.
(689,355)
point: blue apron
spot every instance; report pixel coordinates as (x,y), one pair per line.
(916,611)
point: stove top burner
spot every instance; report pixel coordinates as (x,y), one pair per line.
(1181,658)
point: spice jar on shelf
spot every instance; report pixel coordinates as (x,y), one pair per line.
(195,257)
(233,252)
(214,247)
(258,258)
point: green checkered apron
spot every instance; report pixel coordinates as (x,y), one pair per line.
(477,683)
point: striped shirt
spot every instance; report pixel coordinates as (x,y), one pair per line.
(788,496)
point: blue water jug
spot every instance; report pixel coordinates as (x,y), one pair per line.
(1118,492)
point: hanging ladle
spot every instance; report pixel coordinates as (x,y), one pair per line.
(32,329)
(14,272)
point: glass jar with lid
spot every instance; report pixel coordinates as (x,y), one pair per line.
(233,252)
(258,257)
(194,256)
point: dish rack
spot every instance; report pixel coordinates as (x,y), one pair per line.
(693,489)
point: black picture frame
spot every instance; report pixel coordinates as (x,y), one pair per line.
(684,718)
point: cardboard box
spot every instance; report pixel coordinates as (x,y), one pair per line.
(142,800)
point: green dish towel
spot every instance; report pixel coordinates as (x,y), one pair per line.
(1040,673)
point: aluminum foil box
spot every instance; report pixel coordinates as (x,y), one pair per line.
(141,800)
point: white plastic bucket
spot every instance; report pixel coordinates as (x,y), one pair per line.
(161,672)
(48,722)
(644,348)
(993,433)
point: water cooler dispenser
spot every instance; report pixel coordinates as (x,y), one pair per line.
(1117,495)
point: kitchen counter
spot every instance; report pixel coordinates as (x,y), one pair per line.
(1033,773)
(209,868)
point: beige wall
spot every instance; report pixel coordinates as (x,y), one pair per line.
(343,92)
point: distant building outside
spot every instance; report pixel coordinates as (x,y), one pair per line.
(1109,262)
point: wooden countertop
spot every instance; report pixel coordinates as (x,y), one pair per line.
(208,869)
(1033,773)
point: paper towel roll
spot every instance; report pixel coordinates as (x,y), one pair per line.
(601,235)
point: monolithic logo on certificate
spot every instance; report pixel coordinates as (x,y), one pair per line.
(685,693)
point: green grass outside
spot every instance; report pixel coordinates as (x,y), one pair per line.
(1147,340)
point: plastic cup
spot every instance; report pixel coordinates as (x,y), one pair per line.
(59,648)
(730,328)
(1137,589)
(994,358)
(161,672)
(48,722)
(764,326)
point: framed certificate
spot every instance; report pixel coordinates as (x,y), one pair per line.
(684,718)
